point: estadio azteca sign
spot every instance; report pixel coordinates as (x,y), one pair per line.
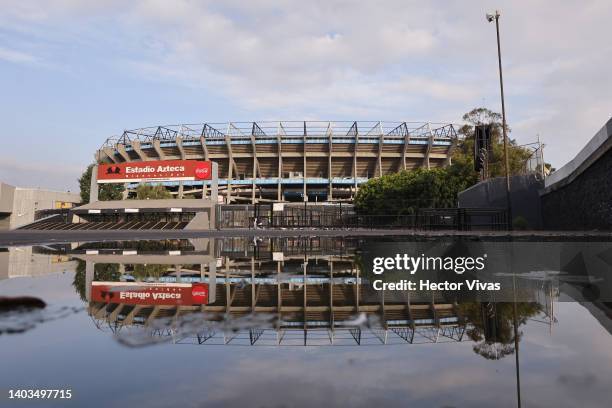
(137,293)
(164,170)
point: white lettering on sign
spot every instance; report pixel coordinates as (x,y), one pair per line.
(166,295)
(151,169)
(146,295)
(134,295)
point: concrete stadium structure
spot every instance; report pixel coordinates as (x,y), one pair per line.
(287,161)
(298,291)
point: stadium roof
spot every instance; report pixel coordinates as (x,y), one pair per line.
(298,129)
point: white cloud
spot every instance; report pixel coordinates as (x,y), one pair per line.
(397,59)
(15,56)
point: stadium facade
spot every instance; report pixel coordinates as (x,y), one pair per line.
(286,161)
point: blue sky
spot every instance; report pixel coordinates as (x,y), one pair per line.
(73,73)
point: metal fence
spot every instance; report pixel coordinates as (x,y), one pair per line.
(343,217)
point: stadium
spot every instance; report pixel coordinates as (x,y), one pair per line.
(285,161)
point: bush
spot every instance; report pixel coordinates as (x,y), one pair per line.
(406,191)
(152,192)
(520,223)
(106,192)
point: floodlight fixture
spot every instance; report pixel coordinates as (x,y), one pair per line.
(492,16)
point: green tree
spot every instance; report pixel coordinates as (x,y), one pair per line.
(406,191)
(102,272)
(403,192)
(142,272)
(491,325)
(464,154)
(106,192)
(152,192)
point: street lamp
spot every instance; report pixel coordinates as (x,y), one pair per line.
(490,17)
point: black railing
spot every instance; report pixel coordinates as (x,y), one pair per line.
(344,217)
(459,219)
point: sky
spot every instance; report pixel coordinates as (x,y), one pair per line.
(73,73)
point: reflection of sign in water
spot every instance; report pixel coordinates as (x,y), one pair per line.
(138,293)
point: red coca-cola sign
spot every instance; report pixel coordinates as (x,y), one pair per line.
(203,171)
(138,293)
(158,170)
(199,294)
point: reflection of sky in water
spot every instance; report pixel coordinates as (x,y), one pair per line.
(569,368)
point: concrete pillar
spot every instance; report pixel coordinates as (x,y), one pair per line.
(355,160)
(280,168)
(405,147)
(89,277)
(231,167)
(214,195)
(330,194)
(204,190)
(122,152)
(180,190)
(158,150)
(124,195)
(93,187)
(212,280)
(379,157)
(179,145)
(430,141)
(214,188)
(253,185)
(138,150)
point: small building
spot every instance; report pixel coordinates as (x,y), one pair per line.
(20,206)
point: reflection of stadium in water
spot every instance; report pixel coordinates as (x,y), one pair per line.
(302,291)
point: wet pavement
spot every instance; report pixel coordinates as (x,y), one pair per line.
(296,321)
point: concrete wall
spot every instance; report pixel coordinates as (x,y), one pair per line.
(202,220)
(4,262)
(492,194)
(23,261)
(27,201)
(7,193)
(589,153)
(583,204)
(579,195)
(5,221)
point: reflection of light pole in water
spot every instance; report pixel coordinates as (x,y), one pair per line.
(516,339)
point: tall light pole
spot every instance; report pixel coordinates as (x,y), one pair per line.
(490,18)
